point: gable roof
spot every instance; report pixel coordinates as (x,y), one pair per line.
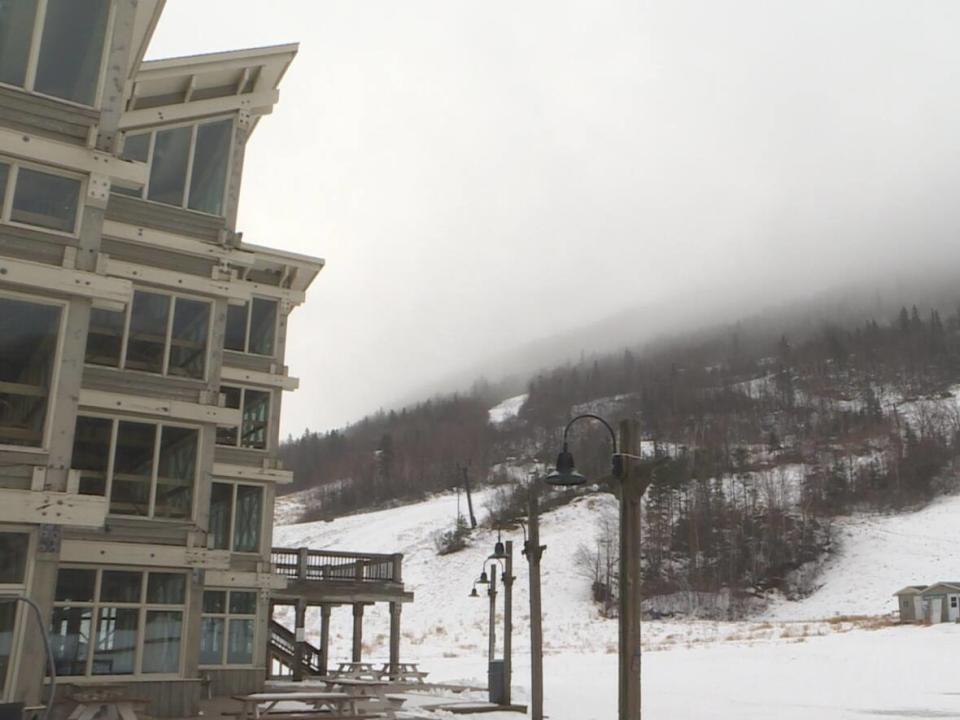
(911,590)
(942,587)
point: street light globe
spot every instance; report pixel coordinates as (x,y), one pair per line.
(483,579)
(474,593)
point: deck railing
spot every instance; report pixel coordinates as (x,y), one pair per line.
(332,566)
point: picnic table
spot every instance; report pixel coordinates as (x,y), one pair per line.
(371,694)
(361,670)
(112,701)
(406,673)
(264,705)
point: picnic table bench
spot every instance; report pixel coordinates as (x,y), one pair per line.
(112,701)
(326,705)
(362,670)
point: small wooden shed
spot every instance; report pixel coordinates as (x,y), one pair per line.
(910,603)
(935,603)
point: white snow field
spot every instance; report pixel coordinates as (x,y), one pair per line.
(799,660)
(507,410)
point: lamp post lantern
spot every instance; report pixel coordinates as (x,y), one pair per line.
(633,483)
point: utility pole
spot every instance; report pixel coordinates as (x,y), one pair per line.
(534,553)
(466,486)
(508,621)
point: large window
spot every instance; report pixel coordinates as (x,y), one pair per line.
(146,469)
(14,551)
(36,197)
(29,334)
(251,327)
(254,407)
(236,516)
(157,333)
(65,61)
(228,627)
(117,622)
(188,164)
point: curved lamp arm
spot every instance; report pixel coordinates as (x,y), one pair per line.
(565,473)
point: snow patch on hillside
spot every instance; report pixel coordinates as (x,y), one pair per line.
(876,556)
(507,410)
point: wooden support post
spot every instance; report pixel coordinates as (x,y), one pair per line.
(398,567)
(492,594)
(357,632)
(508,621)
(299,639)
(534,553)
(324,638)
(634,484)
(395,609)
(303,555)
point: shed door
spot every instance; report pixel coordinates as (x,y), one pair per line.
(953,609)
(936,609)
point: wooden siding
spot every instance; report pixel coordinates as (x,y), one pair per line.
(224,683)
(38,115)
(33,245)
(142,213)
(248,362)
(160,258)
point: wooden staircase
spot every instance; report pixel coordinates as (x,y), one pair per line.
(281,655)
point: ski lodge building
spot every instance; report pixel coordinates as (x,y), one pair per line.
(141,372)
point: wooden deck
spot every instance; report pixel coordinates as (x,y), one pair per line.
(325,576)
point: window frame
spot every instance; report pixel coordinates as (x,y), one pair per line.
(168,336)
(233,516)
(155,468)
(64,306)
(239,427)
(8,685)
(13,175)
(142,606)
(227,616)
(249,319)
(152,131)
(33,58)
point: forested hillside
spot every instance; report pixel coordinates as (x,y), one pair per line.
(776,424)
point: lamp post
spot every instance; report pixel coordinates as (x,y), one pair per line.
(632,487)
(504,552)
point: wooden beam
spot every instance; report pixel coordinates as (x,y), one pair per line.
(174,409)
(178,243)
(252,472)
(260,103)
(235,578)
(52,508)
(112,293)
(142,554)
(37,148)
(254,377)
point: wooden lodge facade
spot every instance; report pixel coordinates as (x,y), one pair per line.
(142,368)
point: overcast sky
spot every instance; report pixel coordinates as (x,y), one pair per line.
(482,174)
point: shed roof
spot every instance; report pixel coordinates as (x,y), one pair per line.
(942,587)
(911,590)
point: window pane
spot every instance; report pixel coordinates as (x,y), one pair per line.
(161,641)
(122,586)
(249,505)
(75,585)
(4,168)
(133,468)
(210,166)
(136,147)
(188,339)
(91,453)
(178,460)
(240,644)
(166,588)
(236,333)
(45,200)
(211,641)
(13,556)
(221,497)
(16,29)
(263,319)
(116,641)
(70,639)
(105,339)
(168,172)
(243,602)
(256,416)
(28,346)
(72,48)
(229,434)
(214,601)
(148,331)
(8,619)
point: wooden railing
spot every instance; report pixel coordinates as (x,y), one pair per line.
(283,645)
(332,566)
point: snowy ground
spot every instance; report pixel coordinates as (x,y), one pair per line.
(797,661)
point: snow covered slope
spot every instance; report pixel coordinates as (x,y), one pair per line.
(879,554)
(507,410)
